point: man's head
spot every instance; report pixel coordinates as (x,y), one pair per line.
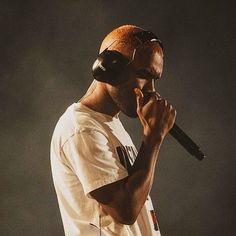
(122,40)
(146,63)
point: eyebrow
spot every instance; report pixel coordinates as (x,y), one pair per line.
(148,73)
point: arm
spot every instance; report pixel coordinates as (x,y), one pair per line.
(124,199)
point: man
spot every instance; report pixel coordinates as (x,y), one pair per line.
(102,182)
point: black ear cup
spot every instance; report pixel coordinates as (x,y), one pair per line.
(108,67)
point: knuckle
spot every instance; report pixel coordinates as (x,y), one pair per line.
(162,101)
(170,107)
(175,112)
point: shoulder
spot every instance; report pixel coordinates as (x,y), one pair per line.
(86,119)
(76,120)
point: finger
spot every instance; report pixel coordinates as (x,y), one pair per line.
(174,112)
(139,98)
(158,95)
(151,96)
(162,101)
(170,107)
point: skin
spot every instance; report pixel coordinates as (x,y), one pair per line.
(124,199)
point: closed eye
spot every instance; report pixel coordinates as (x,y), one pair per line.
(146,74)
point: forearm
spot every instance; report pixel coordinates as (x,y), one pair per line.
(130,194)
(139,182)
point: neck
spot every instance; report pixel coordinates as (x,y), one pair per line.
(98,99)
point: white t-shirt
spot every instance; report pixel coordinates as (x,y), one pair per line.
(89,150)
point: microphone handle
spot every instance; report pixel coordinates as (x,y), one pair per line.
(186,142)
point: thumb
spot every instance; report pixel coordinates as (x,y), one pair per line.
(139,99)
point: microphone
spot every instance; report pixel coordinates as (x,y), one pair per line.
(179,134)
(186,142)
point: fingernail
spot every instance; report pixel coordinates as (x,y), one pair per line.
(136,91)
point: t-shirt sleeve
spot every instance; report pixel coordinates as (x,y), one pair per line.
(94,159)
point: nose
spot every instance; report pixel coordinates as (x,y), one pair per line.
(149,86)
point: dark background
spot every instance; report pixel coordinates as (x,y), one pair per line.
(47,49)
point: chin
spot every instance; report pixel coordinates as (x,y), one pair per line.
(126,104)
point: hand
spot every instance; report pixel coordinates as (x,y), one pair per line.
(156,115)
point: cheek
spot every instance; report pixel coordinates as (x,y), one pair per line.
(126,93)
(125,99)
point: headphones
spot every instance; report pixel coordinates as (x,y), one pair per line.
(110,63)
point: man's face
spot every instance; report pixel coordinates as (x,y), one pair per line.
(143,72)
